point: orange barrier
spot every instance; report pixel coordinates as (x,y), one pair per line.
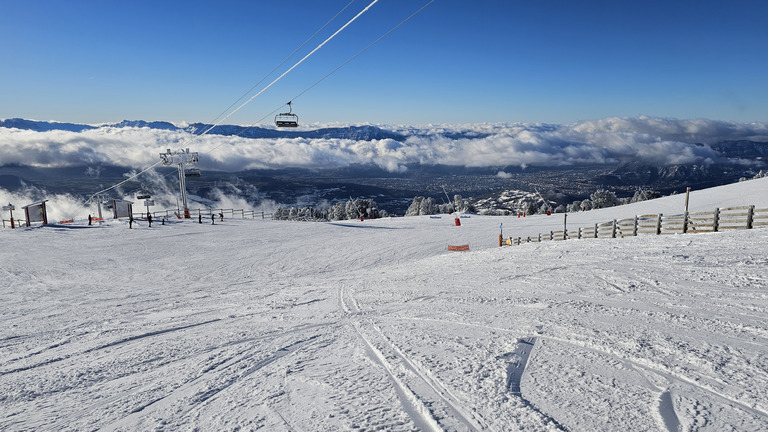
(458,248)
(67,221)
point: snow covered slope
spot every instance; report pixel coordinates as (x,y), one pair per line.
(374,325)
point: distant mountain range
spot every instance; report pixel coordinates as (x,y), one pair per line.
(739,159)
(362,133)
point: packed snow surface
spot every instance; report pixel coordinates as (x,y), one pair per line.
(375,325)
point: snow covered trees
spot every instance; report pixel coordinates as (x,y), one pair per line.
(644,195)
(351,209)
(603,198)
(365,208)
(415,208)
(529,206)
(428,206)
(527,203)
(422,206)
(338,212)
(462,205)
(304,213)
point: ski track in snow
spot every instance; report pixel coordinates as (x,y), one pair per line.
(412,405)
(283,326)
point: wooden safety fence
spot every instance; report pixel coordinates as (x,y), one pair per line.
(721,219)
(207,212)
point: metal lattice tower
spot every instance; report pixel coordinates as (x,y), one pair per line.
(186,162)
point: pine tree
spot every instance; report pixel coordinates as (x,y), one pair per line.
(603,199)
(415,207)
(428,206)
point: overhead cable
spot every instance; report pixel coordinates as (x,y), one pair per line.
(284,60)
(292,67)
(336,69)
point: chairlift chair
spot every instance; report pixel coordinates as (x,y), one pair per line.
(287,119)
(192,172)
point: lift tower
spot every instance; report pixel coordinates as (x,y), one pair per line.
(187,163)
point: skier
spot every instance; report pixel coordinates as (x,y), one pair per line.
(130,222)
(149,219)
(89,219)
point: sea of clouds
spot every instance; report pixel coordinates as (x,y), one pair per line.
(655,141)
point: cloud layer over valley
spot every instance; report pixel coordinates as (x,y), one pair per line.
(610,141)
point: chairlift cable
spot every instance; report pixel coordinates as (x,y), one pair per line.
(334,70)
(284,60)
(361,51)
(118,184)
(294,66)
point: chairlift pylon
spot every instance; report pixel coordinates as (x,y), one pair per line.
(287,119)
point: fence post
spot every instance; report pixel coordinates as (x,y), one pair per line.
(716,220)
(685,216)
(634,228)
(750,213)
(596,231)
(613,229)
(565,225)
(579,233)
(551,235)
(658,224)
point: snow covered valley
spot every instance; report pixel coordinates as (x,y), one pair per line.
(375,325)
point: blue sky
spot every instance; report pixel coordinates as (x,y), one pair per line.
(456,62)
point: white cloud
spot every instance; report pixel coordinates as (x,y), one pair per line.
(655,141)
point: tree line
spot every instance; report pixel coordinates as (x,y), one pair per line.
(351,209)
(421,206)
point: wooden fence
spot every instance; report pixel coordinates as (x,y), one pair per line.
(17,223)
(207,212)
(721,219)
(169,214)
